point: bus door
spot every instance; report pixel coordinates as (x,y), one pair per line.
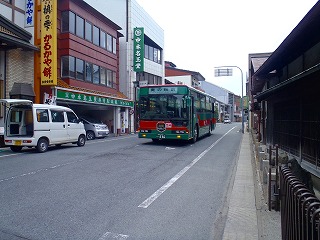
(192,115)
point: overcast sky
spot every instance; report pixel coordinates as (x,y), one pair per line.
(203,34)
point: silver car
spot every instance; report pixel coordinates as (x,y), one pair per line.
(94,128)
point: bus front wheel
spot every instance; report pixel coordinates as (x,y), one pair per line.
(195,134)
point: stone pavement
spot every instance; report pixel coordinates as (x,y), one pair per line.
(248,215)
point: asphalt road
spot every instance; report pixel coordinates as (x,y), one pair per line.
(119,188)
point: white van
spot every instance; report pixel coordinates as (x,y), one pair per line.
(40,125)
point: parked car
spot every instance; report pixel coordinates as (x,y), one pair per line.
(94,128)
(227,120)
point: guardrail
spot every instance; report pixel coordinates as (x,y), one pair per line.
(300,209)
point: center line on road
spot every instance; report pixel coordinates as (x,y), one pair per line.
(110,235)
(146,203)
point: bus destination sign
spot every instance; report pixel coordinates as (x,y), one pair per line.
(163,90)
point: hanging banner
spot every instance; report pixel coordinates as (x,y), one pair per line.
(29,14)
(138,49)
(49,42)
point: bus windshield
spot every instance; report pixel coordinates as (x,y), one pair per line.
(163,107)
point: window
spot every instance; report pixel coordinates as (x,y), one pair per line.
(57,116)
(102,39)
(109,43)
(146,51)
(88,32)
(109,78)
(72,118)
(67,66)
(96,74)
(42,115)
(89,72)
(68,22)
(80,27)
(155,55)
(114,77)
(103,76)
(114,46)
(150,57)
(96,35)
(79,69)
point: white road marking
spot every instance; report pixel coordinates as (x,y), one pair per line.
(161,190)
(110,235)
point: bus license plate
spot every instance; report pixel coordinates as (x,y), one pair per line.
(17,142)
(161,136)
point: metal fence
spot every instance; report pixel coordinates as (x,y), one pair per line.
(300,209)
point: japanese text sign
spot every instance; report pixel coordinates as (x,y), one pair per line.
(138,49)
(48,42)
(29,14)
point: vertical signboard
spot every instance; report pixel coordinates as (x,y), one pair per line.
(49,42)
(29,14)
(138,49)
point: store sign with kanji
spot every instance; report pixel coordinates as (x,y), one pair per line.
(87,98)
(49,42)
(138,49)
(29,14)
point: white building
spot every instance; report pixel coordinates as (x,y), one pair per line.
(128,14)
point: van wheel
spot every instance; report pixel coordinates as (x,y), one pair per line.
(90,135)
(42,145)
(15,148)
(81,141)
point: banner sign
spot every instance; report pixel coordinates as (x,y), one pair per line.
(29,14)
(87,98)
(138,49)
(49,37)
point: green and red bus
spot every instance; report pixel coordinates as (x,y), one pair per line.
(175,112)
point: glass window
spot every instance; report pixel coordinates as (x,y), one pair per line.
(64,66)
(159,57)
(103,76)
(146,51)
(79,69)
(109,78)
(57,116)
(65,21)
(80,27)
(102,39)
(72,118)
(96,74)
(72,67)
(88,32)
(88,72)
(42,115)
(109,43)
(67,66)
(96,35)
(114,46)
(72,22)
(150,57)
(114,78)
(155,55)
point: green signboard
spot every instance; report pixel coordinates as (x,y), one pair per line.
(138,49)
(87,98)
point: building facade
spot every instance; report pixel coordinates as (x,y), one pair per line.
(286,94)
(87,59)
(128,14)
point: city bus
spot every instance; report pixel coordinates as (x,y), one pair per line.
(175,112)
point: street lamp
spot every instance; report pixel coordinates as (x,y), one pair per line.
(226,72)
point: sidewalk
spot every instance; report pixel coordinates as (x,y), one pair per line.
(248,215)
